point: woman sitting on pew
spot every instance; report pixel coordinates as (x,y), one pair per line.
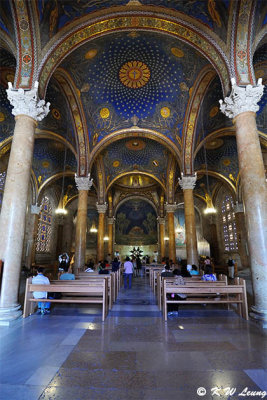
(209,276)
(184,272)
(103,270)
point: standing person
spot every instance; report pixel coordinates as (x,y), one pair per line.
(109,259)
(231,268)
(128,273)
(134,265)
(40,279)
(63,262)
(138,265)
(115,265)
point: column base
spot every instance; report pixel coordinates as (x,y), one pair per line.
(10,314)
(259,316)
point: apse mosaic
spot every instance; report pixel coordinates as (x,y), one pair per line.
(134,153)
(134,79)
(259,60)
(58,119)
(179,227)
(221,155)
(56,14)
(210,117)
(136,223)
(48,159)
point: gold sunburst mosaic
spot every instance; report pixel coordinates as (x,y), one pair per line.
(165,112)
(134,74)
(104,113)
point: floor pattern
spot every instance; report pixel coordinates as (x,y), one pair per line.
(71,355)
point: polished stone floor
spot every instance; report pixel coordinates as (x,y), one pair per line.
(71,355)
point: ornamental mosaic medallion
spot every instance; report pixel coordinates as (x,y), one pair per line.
(134,74)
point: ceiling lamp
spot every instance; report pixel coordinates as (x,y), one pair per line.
(93,228)
(209,205)
(62,201)
(106,238)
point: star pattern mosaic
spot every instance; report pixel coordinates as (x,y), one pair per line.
(223,160)
(118,158)
(110,105)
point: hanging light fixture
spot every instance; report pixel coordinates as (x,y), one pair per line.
(61,205)
(210,209)
(93,228)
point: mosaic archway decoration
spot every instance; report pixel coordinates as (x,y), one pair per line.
(54,54)
(79,119)
(192,112)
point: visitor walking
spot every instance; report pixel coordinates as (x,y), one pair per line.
(128,273)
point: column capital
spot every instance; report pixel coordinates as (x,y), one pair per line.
(35,209)
(238,208)
(170,208)
(161,220)
(111,220)
(187,181)
(242,99)
(101,208)
(83,182)
(27,102)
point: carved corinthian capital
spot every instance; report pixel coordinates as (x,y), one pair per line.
(27,102)
(83,182)
(111,220)
(161,221)
(101,208)
(187,181)
(35,209)
(242,99)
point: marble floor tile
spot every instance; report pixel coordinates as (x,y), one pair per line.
(20,392)
(259,376)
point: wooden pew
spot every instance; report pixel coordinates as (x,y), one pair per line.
(213,294)
(193,281)
(92,276)
(89,293)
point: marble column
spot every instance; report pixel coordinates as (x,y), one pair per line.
(242,106)
(83,184)
(28,109)
(101,208)
(187,183)
(110,236)
(31,247)
(161,224)
(241,235)
(170,208)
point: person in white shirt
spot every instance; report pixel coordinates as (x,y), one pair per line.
(40,279)
(128,273)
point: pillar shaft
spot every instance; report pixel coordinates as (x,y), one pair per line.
(242,105)
(110,241)
(100,236)
(190,227)
(161,238)
(242,239)
(255,201)
(12,221)
(80,237)
(172,250)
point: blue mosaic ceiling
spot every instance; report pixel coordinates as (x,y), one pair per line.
(222,159)
(210,117)
(48,159)
(56,14)
(58,119)
(159,103)
(6,23)
(148,156)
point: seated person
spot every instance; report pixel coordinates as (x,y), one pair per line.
(173,308)
(40,279)
(194,270)
(209,276)
(67,276)
(166,272)
(184,272)
(103,270)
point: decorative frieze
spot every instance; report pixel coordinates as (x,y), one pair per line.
(170,208)
(242,99)
(101,208)
(27,102)
(83,182)
(187,181)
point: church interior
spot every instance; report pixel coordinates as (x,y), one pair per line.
(130,124)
